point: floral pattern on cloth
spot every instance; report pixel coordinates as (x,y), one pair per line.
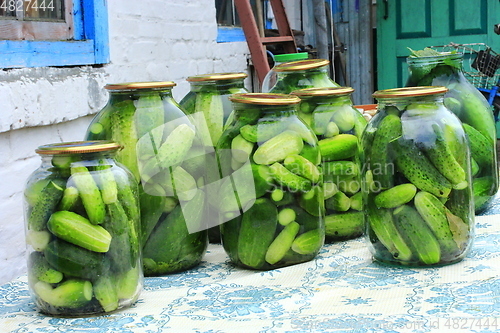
(342,290)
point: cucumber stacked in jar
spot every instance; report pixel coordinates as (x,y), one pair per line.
(429,67)
(338,127)
(302,74)
(271,196)
(208,105)
(82,230)
(417,180)
(163,151)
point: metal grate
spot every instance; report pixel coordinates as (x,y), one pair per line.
(480,63)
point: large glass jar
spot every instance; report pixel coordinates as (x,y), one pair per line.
(209,106)
(338,127)
(271,76)
(302,74)
(271,196)
(417,180)
(163,151)
(472,108)
(82,230)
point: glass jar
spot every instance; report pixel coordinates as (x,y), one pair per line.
(302,74)
(417,180)
(82,227)
(208,104)
(271,76)
(338,127)
(163,151)
(271,195)
(472,109)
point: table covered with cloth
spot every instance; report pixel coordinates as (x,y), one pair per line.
(342,290)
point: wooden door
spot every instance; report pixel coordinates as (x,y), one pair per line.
(421,23)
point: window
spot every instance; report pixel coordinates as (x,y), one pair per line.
(35,33)
(229,29)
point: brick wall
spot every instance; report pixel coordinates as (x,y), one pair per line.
(150,40)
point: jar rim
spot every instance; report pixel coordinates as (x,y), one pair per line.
(78,147)
(410,91)
(301,65)
(327,91)
(140,85)
(217,76)
(264,99)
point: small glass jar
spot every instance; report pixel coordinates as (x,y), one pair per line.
(82,230)
(162,149)
(271,76)
(338,126)
(208,104)
(417,180)
(271,194)
(302,74)
(472,109)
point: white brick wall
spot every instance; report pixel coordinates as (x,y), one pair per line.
(149,40)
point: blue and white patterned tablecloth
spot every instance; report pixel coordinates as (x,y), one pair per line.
(340,291)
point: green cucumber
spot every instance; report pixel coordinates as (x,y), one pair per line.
(278,148)
(69,199)
(282,243)
(89,193)
(480,147)
(339,147)
(74,260)
(46,204)
(288,179)
(418,235)
(262,131)
(78,230)
(105,292)
(380,162)
(40,270)
(396,196)
(106,182)
(241,148)
(149,113)
(345,225)
(309,242)
(338,202)
(413,164)
(302,167)
(258,226)
(73,293)
(286,216)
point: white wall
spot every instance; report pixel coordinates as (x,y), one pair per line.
(150,40)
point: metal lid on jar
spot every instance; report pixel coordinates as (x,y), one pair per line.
(78,147)
(140,85)
(301,65)
(329,91)
(216,77)
(410,92)
(264,99)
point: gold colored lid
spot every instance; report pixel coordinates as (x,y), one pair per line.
(77,147)
(140,85)
(216,77)
(301,65)
(329,91)
(264,99)
(410,91)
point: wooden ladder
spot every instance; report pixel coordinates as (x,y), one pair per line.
(255,39)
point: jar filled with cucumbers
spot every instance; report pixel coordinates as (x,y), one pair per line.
(271,195)
(271,76)
(208,104)
(417,180)
(82,230)
(302,74)
(338,126)
(166,157)
(430,67)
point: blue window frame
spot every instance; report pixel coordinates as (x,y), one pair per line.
(90,44)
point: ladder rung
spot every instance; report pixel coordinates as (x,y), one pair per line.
(280,39)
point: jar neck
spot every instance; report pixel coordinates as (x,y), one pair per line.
(263,111)
(454,61)
(220,86)
(316,70)
(117,95)
(402,102)
(330,99)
